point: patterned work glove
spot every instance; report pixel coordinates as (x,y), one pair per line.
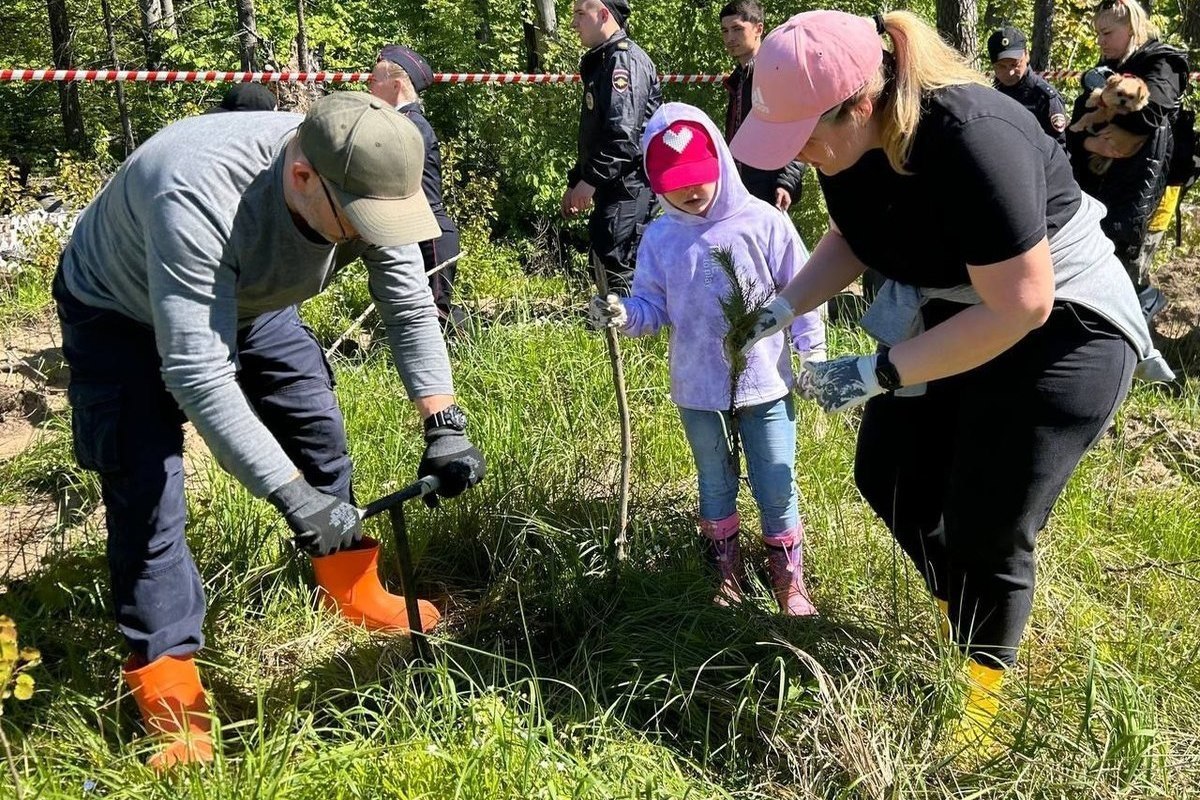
(805,384)
(606,312)
(772,319)
(453,460)
(844,382)
(323,524)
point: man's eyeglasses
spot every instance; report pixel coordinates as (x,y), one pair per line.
(336,216)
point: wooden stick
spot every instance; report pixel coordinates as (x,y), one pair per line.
(371,307)
(618,370)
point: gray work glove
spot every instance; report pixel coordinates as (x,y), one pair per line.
(844,382)
(323,524)
(607,312)
(771,320)
(453,460)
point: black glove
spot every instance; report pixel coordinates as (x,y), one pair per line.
(452,459)
(1094,79)
(323,524)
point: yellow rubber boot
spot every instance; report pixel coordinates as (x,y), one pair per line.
(973,731)
(174,708)
(943,619)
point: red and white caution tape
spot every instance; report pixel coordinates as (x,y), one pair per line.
(195,76)
(212,76)
(1065,74)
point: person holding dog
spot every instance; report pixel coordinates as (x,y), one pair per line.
(1006,342)
(1125,163)
(177,297)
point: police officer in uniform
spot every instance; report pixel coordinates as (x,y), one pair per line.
(1010,65)
(620,94)
(400,75)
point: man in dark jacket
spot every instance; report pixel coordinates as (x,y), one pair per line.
(741,31)
(400,75)
(620,93)
(1012,76)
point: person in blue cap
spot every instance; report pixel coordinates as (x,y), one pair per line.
(1011,75)
(399,77)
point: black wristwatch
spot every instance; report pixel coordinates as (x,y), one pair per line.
(885,372)
(451,417)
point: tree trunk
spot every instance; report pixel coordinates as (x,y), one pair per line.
(957,21)
(64,58)
(1190,29)
(1043,34)
(168,16)
(301,38)
(126,127)
(547,21)
(247,35)
(533,62)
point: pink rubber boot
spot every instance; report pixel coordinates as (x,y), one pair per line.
(785,561)
(724,552)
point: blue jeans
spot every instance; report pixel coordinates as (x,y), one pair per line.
(127,426)
(768,437)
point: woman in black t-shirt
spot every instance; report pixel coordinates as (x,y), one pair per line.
(1009,333)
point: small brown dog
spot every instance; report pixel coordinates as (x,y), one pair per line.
(1121,94)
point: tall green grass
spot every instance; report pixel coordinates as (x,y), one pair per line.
(560,674)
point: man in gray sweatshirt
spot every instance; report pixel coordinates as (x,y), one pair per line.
(177,296)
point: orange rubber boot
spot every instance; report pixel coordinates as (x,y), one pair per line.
(349,582)
(174,708)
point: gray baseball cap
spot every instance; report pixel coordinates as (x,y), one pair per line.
(372,157)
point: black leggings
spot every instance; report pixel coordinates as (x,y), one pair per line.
(965,476)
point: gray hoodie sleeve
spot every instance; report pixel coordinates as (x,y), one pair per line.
(397,281)
(193,300)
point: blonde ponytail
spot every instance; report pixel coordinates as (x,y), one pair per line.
(918,62)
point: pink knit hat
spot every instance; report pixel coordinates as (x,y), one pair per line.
(683,154)
(805,67)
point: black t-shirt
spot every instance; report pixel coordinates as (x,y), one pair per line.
(986,185)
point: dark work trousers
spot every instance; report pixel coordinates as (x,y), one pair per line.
(127,427)
(615,227)
(965,476)
(441,283)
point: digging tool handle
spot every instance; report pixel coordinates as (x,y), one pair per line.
(425,486)
(394,505)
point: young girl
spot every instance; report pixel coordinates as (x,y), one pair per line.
(677,282)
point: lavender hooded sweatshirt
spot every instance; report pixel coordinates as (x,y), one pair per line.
(677,283)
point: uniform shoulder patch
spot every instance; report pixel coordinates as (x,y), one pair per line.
(623,44)
(1058,122)
(620,80)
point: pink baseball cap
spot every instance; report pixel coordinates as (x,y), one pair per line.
(804,68)
(682,154)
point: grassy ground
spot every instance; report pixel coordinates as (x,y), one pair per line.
(560,675)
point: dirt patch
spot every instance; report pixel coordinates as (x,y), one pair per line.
(1180,282)
(1177,329)
(1170,448)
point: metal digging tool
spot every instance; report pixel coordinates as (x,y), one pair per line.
(394,505)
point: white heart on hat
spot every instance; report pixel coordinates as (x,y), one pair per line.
(677,140)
